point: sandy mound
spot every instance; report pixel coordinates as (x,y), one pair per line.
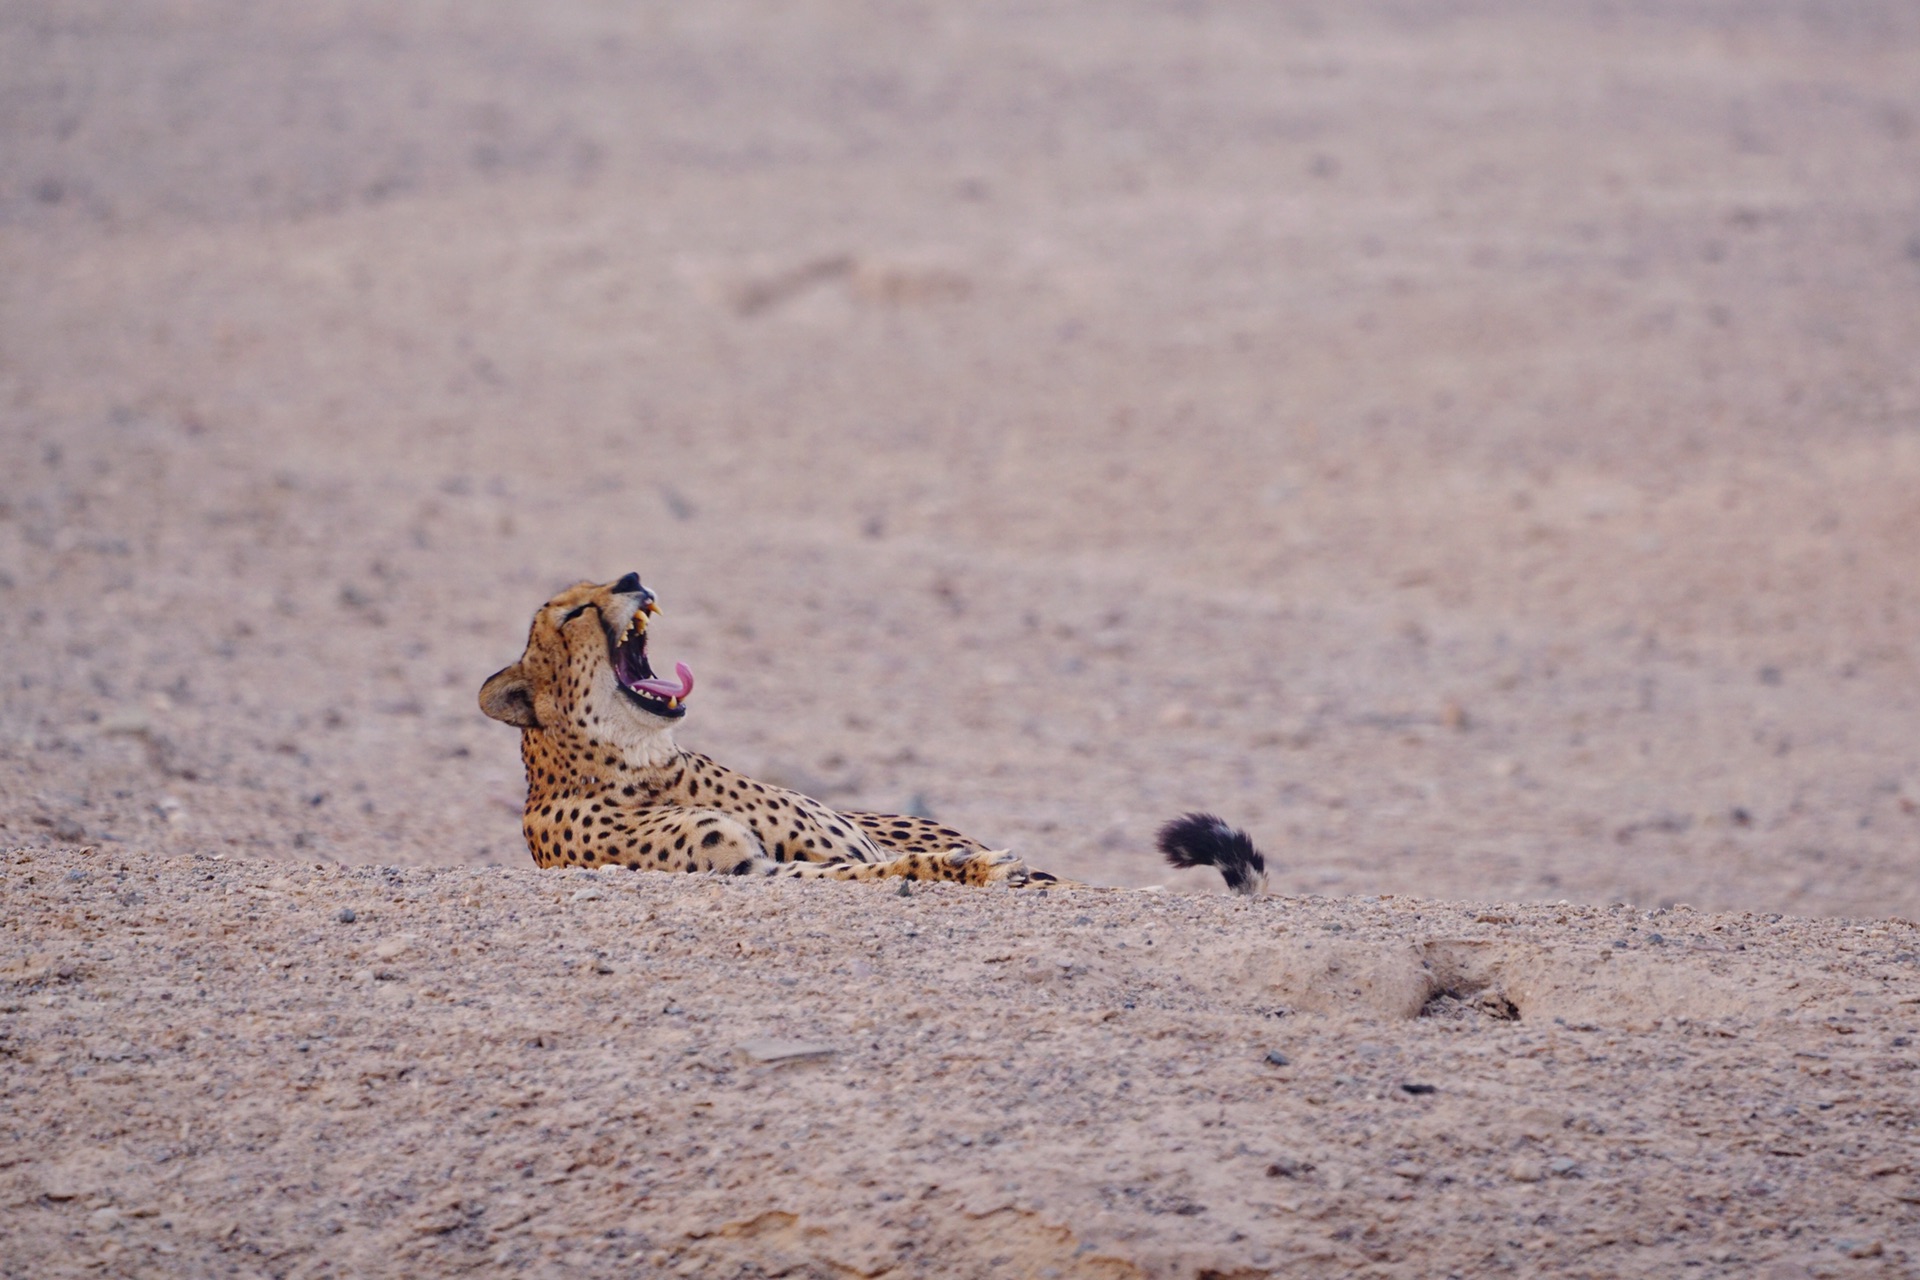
(214,1070)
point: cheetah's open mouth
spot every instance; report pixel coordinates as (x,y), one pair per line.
(631,668)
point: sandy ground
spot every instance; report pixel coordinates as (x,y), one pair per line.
(212,1070)
(1471,446)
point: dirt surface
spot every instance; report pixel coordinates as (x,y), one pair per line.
(1472,446)
(221,1066)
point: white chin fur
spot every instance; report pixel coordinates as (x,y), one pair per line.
(641,737)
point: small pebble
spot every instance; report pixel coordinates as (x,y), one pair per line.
(1562,1167)
(1284,1168)
(346,915)
(1524,1170)
(587,895)
(104,1219)
(1275,1058)
(1419,1088)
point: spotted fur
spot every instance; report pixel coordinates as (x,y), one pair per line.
(607,786)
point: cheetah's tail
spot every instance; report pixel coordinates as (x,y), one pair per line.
(1202,840)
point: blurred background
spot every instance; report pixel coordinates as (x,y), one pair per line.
(1475,446)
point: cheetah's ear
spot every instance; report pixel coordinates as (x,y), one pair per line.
(507,696)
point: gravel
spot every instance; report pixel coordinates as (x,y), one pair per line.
(214,1079)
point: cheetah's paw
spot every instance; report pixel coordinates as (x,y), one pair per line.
(989,866)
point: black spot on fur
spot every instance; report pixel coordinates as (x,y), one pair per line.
(1202,840)
(711,839)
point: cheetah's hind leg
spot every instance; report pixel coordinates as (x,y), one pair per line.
(923,849)
(978,867)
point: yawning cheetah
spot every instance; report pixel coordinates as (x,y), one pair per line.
(607,786)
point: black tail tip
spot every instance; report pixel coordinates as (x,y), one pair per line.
(1203,840)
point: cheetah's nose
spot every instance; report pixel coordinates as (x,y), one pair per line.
(628,586)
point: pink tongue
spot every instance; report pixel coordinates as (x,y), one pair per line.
(666,689)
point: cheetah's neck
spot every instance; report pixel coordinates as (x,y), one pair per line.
(655,750)
(560,766)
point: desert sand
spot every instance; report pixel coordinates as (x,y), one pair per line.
(1472,447)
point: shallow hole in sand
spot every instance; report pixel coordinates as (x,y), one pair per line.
(1464,984)
(1466,1006)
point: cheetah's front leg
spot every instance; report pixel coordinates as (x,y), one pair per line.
(669,838)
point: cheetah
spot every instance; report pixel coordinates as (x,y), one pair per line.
(607,786)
